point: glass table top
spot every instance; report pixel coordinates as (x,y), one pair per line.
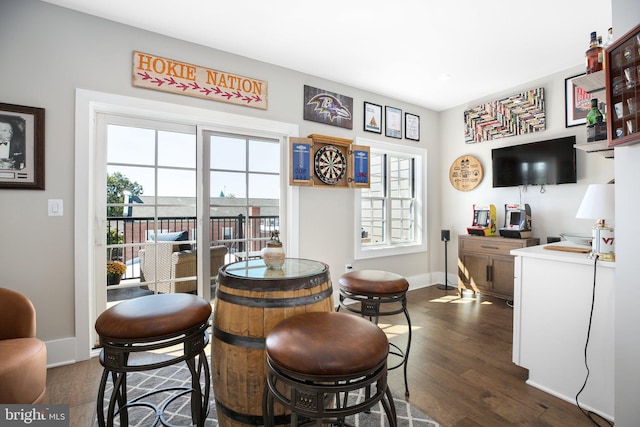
(292,268)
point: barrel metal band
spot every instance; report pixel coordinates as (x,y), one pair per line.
(274,302)
(238,340)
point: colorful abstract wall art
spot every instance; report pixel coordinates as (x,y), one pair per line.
(516,115)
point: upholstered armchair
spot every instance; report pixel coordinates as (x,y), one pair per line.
(174,265)
(23,357)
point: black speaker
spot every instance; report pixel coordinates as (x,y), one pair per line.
(445,235)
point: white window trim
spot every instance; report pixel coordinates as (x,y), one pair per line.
(420,245)
(88,104)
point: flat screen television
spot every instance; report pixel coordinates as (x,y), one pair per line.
(539,163)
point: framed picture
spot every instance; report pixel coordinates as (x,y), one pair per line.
(393,122)
(328,107)
(372,117)
(412,127)
(21,147)
(577,103)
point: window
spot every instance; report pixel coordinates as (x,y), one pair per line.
(391,217)
(150,197)
(245,191)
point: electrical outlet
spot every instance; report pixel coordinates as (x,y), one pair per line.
(348,267)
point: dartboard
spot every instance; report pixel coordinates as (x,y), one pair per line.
(330,164)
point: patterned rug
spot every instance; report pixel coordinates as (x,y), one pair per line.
(178,412)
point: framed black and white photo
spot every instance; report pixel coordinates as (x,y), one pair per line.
(393,122)
(412,127)
(21,147)
(372,117)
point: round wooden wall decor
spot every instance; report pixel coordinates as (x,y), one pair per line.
(465,173)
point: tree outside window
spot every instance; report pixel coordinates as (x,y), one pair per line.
(117,185)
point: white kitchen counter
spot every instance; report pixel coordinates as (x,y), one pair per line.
(552,304)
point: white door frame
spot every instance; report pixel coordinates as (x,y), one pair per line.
(88,104)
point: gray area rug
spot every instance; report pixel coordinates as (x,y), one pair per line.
(178,412)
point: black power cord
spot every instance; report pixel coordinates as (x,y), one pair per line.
(590,414)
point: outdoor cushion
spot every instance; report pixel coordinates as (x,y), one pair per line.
(173,237)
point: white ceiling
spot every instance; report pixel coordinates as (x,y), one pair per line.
(434,54)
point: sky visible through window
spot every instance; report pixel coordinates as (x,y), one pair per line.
(131,151)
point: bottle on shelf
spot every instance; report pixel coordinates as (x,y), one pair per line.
(596,127)
(594,55)
(594,115)
(609,40)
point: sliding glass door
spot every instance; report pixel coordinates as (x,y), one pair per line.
(244,201)
(159,186)
(150,208)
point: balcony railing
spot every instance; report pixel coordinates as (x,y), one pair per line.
(238,233)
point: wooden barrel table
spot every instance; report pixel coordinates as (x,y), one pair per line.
(250,300)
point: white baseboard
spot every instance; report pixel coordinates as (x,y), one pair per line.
(61,352)
(430,279)
(420,281)
(570,400)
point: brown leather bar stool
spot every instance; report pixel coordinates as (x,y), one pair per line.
(316,359)
(148,323)
(375,293)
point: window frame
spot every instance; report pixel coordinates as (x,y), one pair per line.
(389,249)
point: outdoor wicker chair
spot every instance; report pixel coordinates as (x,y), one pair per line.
(173,265)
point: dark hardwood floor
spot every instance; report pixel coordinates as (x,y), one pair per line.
(460,369)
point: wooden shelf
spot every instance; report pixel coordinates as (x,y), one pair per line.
(600,147)
(593,83)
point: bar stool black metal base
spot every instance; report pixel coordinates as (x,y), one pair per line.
(322,400)
(115,358)
(374,307)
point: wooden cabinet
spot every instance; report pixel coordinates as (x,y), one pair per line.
(623,89)
(321,160)
(485,264)
(619,84)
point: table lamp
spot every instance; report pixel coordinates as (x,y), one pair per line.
(598,203)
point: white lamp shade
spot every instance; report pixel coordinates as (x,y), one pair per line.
(598,202)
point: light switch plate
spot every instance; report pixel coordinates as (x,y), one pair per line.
(55,207)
